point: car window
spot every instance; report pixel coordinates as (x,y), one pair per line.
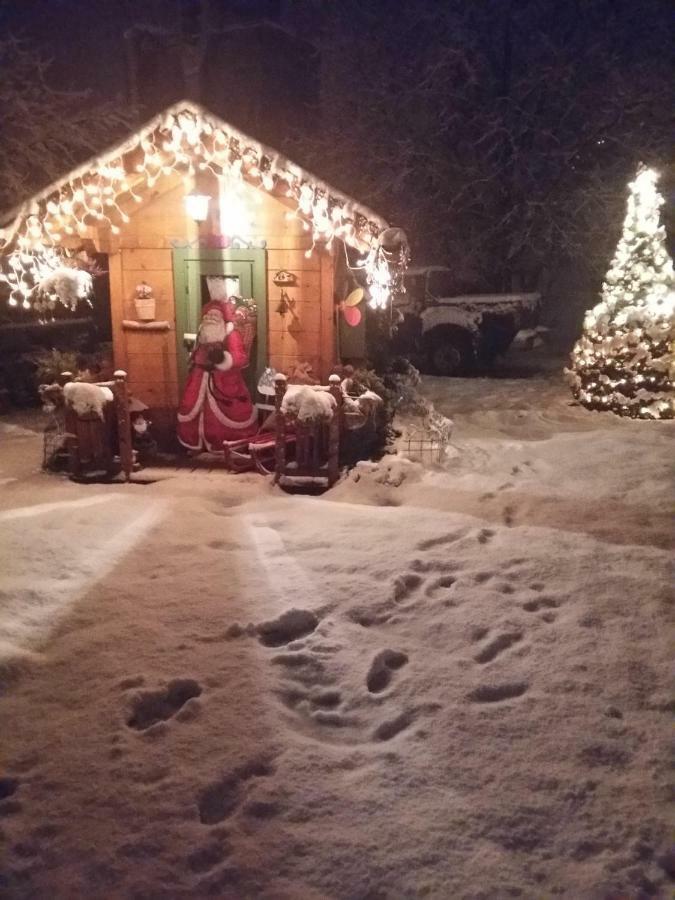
(414,285)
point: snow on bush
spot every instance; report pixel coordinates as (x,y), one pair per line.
(86,398)
(390,471)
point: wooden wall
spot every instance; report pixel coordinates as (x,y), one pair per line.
(143,252)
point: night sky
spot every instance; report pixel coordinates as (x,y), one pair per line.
(500,134)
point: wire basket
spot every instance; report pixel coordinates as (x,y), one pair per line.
(54,453)
(427,442)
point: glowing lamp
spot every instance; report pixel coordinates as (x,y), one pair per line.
(197,206)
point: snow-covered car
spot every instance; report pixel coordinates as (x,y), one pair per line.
(449,335)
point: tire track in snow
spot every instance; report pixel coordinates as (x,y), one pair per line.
(38,589)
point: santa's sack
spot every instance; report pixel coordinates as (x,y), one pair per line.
(246,323)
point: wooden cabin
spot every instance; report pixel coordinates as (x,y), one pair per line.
(297,246)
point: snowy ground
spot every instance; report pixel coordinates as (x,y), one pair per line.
(470,701)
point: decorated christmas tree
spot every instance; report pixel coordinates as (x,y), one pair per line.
(625,358)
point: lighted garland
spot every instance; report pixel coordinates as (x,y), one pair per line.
(186,141)
(625,358)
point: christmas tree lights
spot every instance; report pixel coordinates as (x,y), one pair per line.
(186,140)
(625,358)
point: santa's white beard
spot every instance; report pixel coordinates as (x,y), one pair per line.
(213,329)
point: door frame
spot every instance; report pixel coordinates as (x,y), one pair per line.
(258,257)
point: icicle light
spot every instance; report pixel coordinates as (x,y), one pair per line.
(185,140)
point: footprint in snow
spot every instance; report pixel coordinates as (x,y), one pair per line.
(223,545)
(367,617)
(303,667)
(9,805)
(382,668)
(485,535)
(440,541)
(222,798)
(203,859)
(150,707)
(508,515)
(498,645)
(288,627)
(8,787)
(506,588)
(438,585)
(389,729)
(405,586)
(541,603)
(496,693)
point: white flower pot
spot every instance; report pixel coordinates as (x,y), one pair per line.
(145,308)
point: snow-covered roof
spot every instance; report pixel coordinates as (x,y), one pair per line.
(186,139)
(282,167)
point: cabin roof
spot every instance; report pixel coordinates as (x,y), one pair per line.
(280,163)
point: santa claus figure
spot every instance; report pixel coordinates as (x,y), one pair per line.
(216,405)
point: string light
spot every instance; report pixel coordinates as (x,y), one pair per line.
(625,358)
(182,141)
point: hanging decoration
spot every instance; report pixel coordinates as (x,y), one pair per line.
(384,270)
(625,358)
(185,140)
(349,307)
(284,278)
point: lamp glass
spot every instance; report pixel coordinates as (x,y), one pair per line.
(197,206)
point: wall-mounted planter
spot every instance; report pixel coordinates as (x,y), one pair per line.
(145,308)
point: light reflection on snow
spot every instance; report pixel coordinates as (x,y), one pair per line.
(286,577)
(24,512)
(47,569)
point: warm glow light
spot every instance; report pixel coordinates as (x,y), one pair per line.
(625,358)
(197,206)
(181,142)
(235,216)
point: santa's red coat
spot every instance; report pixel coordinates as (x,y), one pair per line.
(216,405)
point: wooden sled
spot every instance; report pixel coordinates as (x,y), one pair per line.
(254,454)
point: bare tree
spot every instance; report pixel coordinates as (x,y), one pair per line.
(501,134)
(45,131)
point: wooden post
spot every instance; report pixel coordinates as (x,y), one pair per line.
(72,443)
(123,422)
(334,431)
(280,382)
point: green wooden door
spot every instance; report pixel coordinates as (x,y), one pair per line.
(190,269)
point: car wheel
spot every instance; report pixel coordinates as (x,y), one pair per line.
(449,353)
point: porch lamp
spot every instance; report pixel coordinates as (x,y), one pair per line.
(197,206)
